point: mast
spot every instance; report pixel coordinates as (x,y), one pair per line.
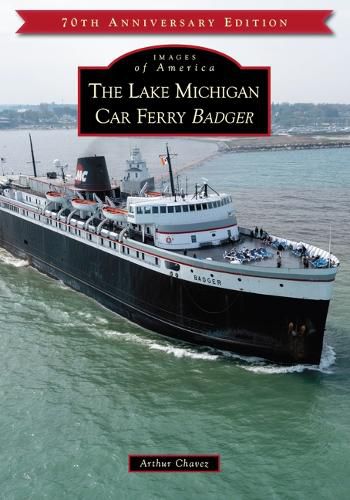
(170,172)
(32,151)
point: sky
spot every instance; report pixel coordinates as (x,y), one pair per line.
(304,68)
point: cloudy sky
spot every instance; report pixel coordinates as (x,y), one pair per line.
(305,68)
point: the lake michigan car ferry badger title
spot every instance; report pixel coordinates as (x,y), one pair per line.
(199,115)
(174,89)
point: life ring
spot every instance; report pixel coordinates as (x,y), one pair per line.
(168,239)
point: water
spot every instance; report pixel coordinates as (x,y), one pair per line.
(81,388)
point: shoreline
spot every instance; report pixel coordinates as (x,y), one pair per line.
(281,143)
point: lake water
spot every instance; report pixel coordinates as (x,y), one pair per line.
(80,388)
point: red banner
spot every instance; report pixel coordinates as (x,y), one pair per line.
(229,22)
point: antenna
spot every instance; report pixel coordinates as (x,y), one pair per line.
(329,244)
(3,160)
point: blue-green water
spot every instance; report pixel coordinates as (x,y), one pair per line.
(80,388)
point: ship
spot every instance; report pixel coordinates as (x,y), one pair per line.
(173,262)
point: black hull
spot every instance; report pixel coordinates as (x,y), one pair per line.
(244,323)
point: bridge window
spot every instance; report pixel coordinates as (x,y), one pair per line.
(210,205)
(139,210)
(154,210)
(204,206)
(178,208)
(199,206)
(170,210)
(192,208)
(193,238)
(162,210)
(185,208)
(147,210)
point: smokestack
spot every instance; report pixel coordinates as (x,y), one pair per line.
(92,174)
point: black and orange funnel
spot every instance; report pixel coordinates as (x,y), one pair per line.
(92,174)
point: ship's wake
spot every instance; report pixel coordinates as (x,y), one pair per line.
(177,351)
(10,260)
(249,363)
(261,366)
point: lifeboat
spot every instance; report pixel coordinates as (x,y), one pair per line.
(55,196)
(84,205)
(153,193)
(115,214)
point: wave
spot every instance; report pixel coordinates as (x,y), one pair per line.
(183,352)
(327,361)
(248,363)
(178,352)
(9,259)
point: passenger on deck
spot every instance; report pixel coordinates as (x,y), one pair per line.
(256,231)
(305,261)
(261,233)
(279,260)
(265,237)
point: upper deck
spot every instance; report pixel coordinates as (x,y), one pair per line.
(246,250)
(255,252)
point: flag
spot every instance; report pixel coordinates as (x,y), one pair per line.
(163,160)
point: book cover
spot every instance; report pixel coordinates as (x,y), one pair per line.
(178,175)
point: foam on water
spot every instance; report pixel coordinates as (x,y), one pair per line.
(249,363)
(327,360)
(178,352)
(9,259)
(182,352)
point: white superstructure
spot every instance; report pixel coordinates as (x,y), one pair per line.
(185,222)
